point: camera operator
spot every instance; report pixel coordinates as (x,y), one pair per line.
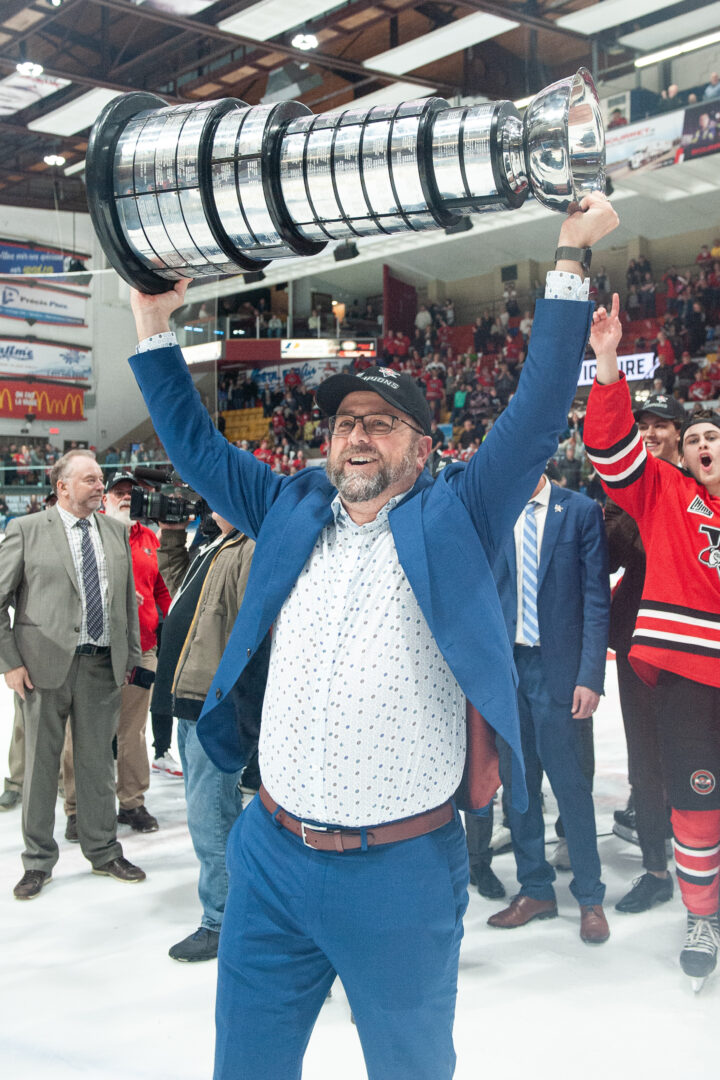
(133,766)
(208,590)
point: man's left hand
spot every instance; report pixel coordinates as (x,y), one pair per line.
(584,703)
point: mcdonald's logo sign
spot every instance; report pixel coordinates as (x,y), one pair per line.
(47,401)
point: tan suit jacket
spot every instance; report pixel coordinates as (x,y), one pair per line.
(37,578)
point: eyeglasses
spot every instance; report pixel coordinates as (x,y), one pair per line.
(374,424)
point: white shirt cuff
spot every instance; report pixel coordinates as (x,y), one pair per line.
(560,285)
(157,341)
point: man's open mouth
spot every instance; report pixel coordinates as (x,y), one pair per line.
(705,461)
(359,459)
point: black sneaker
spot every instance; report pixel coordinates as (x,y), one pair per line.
(488,884)
(202,945)
(71,832)
(138,819)
(646,891)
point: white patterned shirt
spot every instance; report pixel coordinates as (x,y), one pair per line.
(74,535)
(363,721)
(542,501)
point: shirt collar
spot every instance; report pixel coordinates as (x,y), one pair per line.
(69,520)
(543,496)
(343,518)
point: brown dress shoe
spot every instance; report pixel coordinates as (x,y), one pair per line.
(594,929)
(120,869)
(30,884)
(522,910)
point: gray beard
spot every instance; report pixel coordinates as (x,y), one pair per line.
(121,514)
(359,489)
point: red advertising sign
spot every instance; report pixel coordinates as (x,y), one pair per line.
(47,401)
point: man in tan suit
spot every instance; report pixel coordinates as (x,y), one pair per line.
(68,574)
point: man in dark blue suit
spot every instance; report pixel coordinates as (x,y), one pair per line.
(556,608)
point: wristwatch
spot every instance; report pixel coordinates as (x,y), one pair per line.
(578,255)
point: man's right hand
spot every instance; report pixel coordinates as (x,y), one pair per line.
(595,219)
(152,313)
(18,680)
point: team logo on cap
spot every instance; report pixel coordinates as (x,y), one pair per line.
(385,379)
(702,782)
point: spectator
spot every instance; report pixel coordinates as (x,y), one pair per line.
(712,90)
(570,468)
(647,295)
(616,119)
(704,256)
(423,319)
(666,360)
(275,326)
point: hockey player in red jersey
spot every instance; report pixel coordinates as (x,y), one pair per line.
(676,643)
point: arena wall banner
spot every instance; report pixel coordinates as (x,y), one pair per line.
(40,303)
(47,401)
(18,258)
(701,130)
(648,144)
(311,372)
(21,357)
(635,365)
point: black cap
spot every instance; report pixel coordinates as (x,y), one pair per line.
(663,405)
(116,478)
(400,391)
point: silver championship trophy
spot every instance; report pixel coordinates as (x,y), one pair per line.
(222,187)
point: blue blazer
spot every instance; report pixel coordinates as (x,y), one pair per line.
(573,593)
(447,531)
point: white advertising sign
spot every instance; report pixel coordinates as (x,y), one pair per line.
(19,300)
(43,358)
(635,366)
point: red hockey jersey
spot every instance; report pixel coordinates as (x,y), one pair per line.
(678,624)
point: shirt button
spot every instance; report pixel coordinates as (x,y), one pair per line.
(76,629)
(218,694)
(249,652)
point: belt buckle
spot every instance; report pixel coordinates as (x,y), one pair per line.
(312,828)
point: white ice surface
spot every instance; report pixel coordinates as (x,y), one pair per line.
(87,988)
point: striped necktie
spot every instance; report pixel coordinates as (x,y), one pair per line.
(91,581)
(530,628)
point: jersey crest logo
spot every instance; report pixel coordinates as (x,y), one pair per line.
(710,556)
(702,782)
(697,506)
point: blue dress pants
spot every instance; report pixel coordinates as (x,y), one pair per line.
(550,742)
(387,920)
(214,802)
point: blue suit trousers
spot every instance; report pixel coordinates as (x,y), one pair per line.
(387,921)
(551,743)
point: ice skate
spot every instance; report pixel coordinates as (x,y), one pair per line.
(699,955)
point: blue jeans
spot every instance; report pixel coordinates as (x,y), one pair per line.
(214,802)
(387,920)
(550,741)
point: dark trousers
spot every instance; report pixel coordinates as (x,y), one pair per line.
(551,742)
(639,705)
(162,726)
(387,921)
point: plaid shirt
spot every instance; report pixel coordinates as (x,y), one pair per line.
(74,535)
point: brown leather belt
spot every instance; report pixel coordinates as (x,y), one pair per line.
(341,840)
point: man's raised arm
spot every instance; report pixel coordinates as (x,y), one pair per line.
(232,481)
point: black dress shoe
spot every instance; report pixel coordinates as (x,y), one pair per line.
(138,819)
(71,832)
(487,882)
(30,884)
(120,869)
(647,891)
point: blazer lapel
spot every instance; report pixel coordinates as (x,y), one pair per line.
(58,539)
(553,523)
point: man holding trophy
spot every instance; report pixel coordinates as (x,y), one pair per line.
(353,860)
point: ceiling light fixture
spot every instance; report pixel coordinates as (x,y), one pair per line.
(304,41)
(54,159)
(677,50)
(27,67)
